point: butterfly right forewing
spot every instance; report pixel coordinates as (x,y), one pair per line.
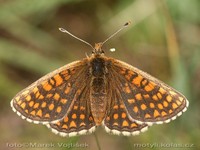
(146,99)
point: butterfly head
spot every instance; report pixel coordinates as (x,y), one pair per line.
(97,50)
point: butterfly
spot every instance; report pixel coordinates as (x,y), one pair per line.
(98,90)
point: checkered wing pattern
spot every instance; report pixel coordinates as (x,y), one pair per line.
(117,120)
(50,98)
(79,120)
(146,99)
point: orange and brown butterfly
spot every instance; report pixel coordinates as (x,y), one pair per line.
(98,90)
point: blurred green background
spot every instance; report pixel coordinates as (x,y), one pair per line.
(163,40)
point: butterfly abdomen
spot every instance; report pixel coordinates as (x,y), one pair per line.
(98,90)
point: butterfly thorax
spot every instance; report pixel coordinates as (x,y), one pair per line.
(98,91)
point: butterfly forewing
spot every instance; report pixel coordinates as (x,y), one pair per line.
(50,98)
(146,99)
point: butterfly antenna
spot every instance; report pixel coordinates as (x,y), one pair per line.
(65,31)
(124,26)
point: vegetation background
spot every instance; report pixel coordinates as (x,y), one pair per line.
(164,40)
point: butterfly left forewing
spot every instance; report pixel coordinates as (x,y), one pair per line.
(146,99)
(50,98)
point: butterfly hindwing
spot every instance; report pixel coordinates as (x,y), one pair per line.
(79,120)
(146,99)
(50,98)
(117,120)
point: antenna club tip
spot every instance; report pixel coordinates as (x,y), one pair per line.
(61,29)
(127,23)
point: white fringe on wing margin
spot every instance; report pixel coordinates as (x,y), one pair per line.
(63,134)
